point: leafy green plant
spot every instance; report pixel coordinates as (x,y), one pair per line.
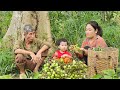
(108,74)
(59,70)
(67,24)
(6,76)
(7,65)
(71,25)
(5,18)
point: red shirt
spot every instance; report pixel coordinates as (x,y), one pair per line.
(99,41)
(59,54)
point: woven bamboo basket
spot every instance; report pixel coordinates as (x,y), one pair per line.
(102,60)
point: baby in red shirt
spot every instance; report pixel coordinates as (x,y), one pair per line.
(63,49)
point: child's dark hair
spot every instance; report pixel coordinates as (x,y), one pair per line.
(61,40)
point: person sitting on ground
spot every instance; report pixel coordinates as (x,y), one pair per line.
(93,39)
(63,49)
(30,52)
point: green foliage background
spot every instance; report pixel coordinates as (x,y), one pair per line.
(67,24)
(5,18)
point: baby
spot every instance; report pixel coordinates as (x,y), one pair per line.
(62,51)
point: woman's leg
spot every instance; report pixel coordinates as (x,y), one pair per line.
(84,56)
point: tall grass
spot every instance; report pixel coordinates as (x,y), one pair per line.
(71,25)
(5,18)
(67,24)
(7,64)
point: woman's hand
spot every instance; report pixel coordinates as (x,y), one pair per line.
(82,49)
(85,52)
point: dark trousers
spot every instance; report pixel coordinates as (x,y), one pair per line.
(84,56)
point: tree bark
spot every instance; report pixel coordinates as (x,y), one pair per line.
(38,19)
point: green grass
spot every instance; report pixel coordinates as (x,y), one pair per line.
(70,25)
(7,65)
(5,18)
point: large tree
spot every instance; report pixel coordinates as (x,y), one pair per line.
(38,19)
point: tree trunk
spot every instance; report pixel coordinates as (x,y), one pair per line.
(38,19)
